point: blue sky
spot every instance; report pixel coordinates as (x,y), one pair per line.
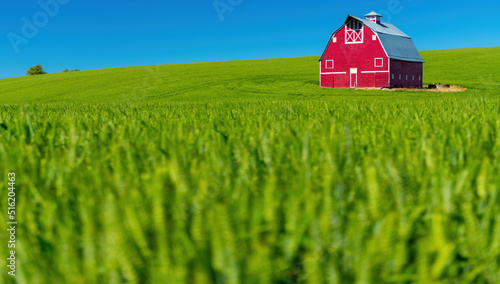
(95,34)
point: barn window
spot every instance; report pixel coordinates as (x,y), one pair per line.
(374,37)
(379,62)
(392,76)
(413,78)
(334,40)
(329,64)
(399,76)
(354,32)
(406,77)
(419,78)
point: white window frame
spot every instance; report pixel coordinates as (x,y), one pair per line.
(361,31)
(375,62)
(374,37)
(328,61)
(334,40)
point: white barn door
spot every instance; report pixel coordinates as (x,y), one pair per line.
(354,77)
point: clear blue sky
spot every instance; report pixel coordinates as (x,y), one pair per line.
(92,34)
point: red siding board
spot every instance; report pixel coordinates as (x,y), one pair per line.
(381,79)
(327,81)
(341,81)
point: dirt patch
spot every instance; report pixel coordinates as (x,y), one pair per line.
(428,88)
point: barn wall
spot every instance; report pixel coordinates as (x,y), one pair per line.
(327,80)
(361,56)
(342,81)
(411,69)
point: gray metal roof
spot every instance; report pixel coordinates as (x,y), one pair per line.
(400,48)
(372,14)
(396,43)
(384,28)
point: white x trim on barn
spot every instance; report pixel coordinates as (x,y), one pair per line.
(354,32)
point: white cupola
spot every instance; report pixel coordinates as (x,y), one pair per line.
(374,17)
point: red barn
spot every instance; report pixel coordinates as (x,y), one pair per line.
(370,53)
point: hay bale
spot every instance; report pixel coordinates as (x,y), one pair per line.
(443,86)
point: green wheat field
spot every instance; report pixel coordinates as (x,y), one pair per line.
(249,172)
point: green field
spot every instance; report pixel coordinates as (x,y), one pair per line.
(248,172)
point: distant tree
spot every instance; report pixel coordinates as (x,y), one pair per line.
(35,70)
(74,70)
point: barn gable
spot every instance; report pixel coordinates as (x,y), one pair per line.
(396,43)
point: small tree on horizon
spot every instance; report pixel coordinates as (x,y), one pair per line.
(35,70)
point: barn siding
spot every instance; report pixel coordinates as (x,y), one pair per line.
(381,79)
(361,56)
(405,68)
(327,81)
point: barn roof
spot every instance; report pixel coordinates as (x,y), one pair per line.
(372,14)
(384,28)
(396,43)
